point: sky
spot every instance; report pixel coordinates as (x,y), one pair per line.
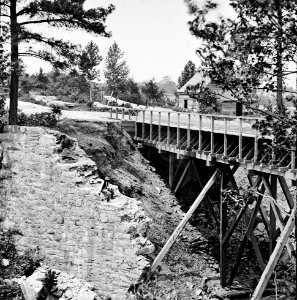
(153,34)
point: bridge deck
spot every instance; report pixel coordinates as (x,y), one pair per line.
(213,138)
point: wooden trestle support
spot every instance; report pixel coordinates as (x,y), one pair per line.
(222,153)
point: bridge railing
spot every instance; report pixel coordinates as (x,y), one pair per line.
(237,126)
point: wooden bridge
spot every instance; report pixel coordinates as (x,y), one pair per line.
(192,143)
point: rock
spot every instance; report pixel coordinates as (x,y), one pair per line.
(35,280)
(85,294)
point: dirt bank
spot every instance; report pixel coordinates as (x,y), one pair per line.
(184,275)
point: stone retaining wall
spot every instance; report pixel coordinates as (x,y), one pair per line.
(50,193)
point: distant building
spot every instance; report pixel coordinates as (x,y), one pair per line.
(227,101)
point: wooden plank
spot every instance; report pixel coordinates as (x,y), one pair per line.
(182,177)
(184,221)
(275,256)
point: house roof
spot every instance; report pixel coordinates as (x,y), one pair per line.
(198,78)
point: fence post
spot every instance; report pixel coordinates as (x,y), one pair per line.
(117,113)
(111,112)
(168,130)
(159,128)
(240,139)
(136,115)
(189,132)
(200,133)
(177,133)
(212,135)
(225,137)
(151,126)
(143,119)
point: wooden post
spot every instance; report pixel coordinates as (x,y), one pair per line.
(151,126)
(200,133)
(256,147)
(225,137)
(184,221)
(177,133)
(111,112)
(275,256)
(171,169)
(129,111)
(159,128)
(189,132)
(168,130)
(136,115)
(123,113)
(223,229)
(212,135)
(143,124)
(182,177)
(117,113)
(240,139)
(272,231)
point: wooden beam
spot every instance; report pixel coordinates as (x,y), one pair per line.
(182,177)
(275,256)
(184,221)
(207,199)
(272,237)
(171,169)
(223,229)
(286,191)
(168,129)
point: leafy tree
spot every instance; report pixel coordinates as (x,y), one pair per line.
(131,93)
(187,73)
(152,92)
(89,60)
(167,85)
(252,49)
(117,71)
(42,77)
(68,14)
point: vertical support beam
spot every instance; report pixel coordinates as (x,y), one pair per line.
(212,135)
(223,229)
(200,133)
(256,145)
(159,128)
(240,139)
(225,137)
(111,112)
(272,232)
(168,130)
(151,126)
(136,116)
(189,132)
(123,113)
(171,169)
(129,111)
(177,133)
(117,113)
(143,119)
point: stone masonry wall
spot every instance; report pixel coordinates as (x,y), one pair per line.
(51,195)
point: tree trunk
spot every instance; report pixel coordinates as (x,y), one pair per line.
(91,88)
(14,83)
(279,62)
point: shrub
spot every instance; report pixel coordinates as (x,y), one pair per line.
(47,119)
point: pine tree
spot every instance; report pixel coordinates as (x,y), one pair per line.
(187,73)
(116,70)
(89,60)
(68,14)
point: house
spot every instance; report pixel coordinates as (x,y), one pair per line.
(228,105)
